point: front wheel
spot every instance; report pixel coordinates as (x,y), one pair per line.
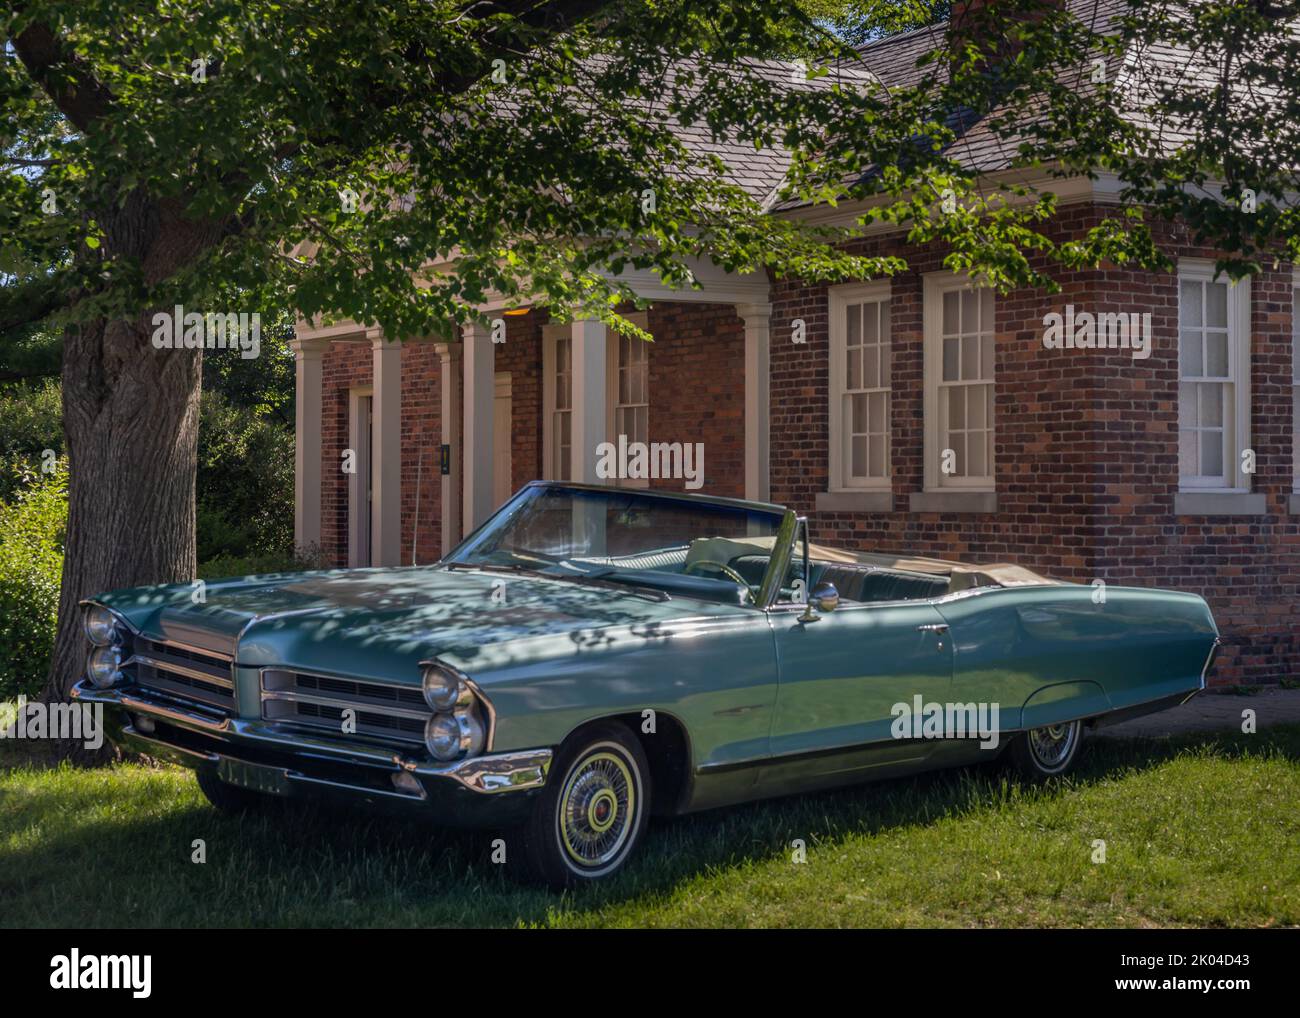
(1047,752)
(593,811)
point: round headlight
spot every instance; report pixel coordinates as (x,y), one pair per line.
(441,687)
(101,626)
(103,667)
(472,733)
(442,736)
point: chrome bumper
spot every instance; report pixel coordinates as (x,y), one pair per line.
(244,739)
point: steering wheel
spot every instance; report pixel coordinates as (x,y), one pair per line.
(722,567)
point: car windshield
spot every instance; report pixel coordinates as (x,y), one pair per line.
(637,539)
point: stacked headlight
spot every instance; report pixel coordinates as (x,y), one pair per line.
(456,729)
(108,637)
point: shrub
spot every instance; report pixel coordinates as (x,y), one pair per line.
(31,421)
(32,528)
(244,488)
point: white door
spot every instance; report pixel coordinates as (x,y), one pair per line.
(502,486)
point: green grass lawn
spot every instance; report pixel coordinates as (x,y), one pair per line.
(1203,831)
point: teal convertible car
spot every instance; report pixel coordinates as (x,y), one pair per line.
(591,655)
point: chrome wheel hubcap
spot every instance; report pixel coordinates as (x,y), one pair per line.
(1053,745)
(597,809)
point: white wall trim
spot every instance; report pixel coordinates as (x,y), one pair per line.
(309,354)
(757,320)
(386,442)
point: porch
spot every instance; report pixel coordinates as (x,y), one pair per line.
(403,447)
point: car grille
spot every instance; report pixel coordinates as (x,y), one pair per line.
(201,677)
(382,710)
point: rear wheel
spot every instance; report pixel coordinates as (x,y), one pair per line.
(1047,752)
(593,811)
(230,798)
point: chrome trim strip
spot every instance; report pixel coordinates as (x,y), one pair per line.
(1209,658)
(289,696)
(488,774)
(206,651)
(169,666)
(134,703)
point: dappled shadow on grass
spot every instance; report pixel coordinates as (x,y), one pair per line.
(123,857)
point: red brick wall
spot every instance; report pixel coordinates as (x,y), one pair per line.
(697,389)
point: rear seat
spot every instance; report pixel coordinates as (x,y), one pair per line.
(866,583)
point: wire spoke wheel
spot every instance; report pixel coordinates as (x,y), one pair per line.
(597,809)
(1054,745)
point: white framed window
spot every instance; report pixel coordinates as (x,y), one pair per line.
(557,402)
(1213,379)
(627,395)
(627,388)
(859,388)
(1295,385)
(959,384)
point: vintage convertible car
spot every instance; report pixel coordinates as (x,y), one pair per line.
(592,655)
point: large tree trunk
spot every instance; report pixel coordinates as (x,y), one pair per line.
(130,419)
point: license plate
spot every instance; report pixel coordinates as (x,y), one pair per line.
(254,777)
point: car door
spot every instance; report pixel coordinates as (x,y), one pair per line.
(839,678)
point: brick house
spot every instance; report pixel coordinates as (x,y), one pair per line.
(1083,464)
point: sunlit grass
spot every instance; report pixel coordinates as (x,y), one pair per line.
(1197,832)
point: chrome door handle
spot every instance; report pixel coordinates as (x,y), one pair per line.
(933,627)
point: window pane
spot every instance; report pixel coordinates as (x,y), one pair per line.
(957,443)
(879,401)
(986,357)
(1216,354)
(1216,305)
(854,312)
(975,409)
(1211,405)
(1187,453)
(853,368)
(957,407)
(877,446)
(970,356)
(858,414)
(975,452)
(1189,355)
(1187,416)
(970,315)
(1212,453)
(951,355)
(859,458)
(986,311)
(1189,303)
(871,323)
(871,367)
(951,312)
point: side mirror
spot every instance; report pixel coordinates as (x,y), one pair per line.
(824,597)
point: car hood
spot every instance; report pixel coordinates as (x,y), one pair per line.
(378,622)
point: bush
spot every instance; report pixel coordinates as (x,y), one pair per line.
(32,529)
(225,567)
(31,421)
(244,489)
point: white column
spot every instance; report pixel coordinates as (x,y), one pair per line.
(757,406)
(448,380)
(386,454)
(480,391)
(308,355)
(589,383)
